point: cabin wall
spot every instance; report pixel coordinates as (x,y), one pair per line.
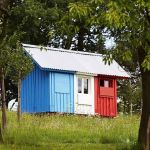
(47,91)
(35,91)
(105,97)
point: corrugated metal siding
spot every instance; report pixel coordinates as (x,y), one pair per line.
(62,92)
(45,91)
(35,92)
(73,61)
(106,106)
(105,100)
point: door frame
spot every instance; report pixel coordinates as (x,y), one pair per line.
(90,96)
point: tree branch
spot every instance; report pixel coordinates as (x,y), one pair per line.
(3,7)
(147,14)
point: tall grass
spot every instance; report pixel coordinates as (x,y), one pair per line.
(70,132)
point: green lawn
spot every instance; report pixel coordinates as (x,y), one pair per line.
(70,132)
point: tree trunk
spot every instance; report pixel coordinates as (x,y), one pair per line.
(68,43)
(80,40)
(124,105)
(3,7)
(1,133)
(143,138)
(144,130)
(4,118)
(131,108)
(19,99)
(81,33)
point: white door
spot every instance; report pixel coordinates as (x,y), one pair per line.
(84,94)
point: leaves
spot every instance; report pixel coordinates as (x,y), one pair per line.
(20,62)
(127,56)
(116,16)
(78,10)
(107,58)
(97,2)
(146,63)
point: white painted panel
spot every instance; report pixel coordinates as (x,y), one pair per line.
(84,103)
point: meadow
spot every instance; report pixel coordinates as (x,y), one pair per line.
(70,132)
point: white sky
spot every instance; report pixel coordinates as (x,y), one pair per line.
(109,42)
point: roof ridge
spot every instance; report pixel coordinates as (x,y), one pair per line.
(62,50)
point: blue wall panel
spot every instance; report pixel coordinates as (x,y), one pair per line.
(61,83)
(62,92)
(47,91)
(35,91)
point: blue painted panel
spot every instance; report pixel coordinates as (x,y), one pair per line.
(47,91)
(61,83)
(61,92)
(35,92)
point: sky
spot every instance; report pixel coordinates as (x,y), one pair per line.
(109,42)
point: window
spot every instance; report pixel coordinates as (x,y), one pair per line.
(101,82)
(79,85)
(86,86)
(83,85)
(106,83)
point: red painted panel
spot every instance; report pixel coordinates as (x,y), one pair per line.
(105,98)
(107,91)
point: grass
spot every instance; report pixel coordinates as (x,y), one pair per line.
(70,132)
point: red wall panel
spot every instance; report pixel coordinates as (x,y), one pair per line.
(105,98)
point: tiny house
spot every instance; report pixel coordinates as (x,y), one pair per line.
(67,81)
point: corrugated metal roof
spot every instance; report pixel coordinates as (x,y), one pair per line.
(68,60)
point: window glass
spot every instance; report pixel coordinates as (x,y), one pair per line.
(85,86)
(79,85)
(106,83)
(102,83)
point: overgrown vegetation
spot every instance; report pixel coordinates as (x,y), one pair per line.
(70,132)
(81,25)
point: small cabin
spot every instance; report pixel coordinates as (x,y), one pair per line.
(67,81)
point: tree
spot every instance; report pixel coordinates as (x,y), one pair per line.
(29,22)
(75,30)
(3,7)
(35,19)
(6,30)
(129,23)
(129,92)
(4,56)
(21,65)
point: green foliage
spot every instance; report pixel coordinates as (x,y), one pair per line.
(20,62)
(5,54)
(146,63)
(127,55)
(75,29)
(97,2)
(108,58)
(71,132)
(129,24)
(116,15)
(130,94)
(79,10)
